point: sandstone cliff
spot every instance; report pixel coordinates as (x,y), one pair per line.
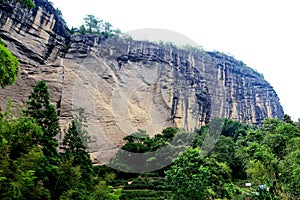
(124,85)
(37,37)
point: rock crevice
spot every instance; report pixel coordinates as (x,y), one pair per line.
(124,84)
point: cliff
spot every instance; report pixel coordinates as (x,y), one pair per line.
(124,84)
(38,38)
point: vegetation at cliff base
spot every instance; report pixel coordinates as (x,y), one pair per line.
(247,162)
(31,164)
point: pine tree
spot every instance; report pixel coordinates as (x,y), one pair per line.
(92,23)
(39,108)
(75,147)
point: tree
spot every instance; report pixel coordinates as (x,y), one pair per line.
(225,152)
(69,178)
(75,147)
(188,177)
(270,125)
(169,132)
(19,158)
(116,32)
(92,23)
(137,142)
(234,129)
(107,31)
(276,143)
(9,66)
(82,30)
(290,173)
(287,119)
(220,177)
(107,27)
(40,108)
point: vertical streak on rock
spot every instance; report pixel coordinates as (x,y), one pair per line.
(135,83)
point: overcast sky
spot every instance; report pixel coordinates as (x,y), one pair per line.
(264,34)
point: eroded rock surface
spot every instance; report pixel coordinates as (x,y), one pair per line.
(38,38)
(125,85)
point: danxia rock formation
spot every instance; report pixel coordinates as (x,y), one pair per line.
(125,85)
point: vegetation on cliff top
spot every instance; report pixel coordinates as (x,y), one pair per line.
(95,26)
(26,3)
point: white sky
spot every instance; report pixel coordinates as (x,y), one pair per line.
(264,34)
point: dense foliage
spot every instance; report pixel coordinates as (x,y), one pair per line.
(9,66)
(266,158)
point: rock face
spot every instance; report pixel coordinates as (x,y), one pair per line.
(38,38)
(125,85)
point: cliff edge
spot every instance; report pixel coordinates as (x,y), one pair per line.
(125,84)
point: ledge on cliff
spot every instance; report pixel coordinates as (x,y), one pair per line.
(60,25)
(125,85)
(36,36)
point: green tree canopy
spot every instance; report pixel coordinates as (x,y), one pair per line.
(75,147)
(95,26)
(188,177)
(40,108)
(9,66)
(92,23)
(19,158)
